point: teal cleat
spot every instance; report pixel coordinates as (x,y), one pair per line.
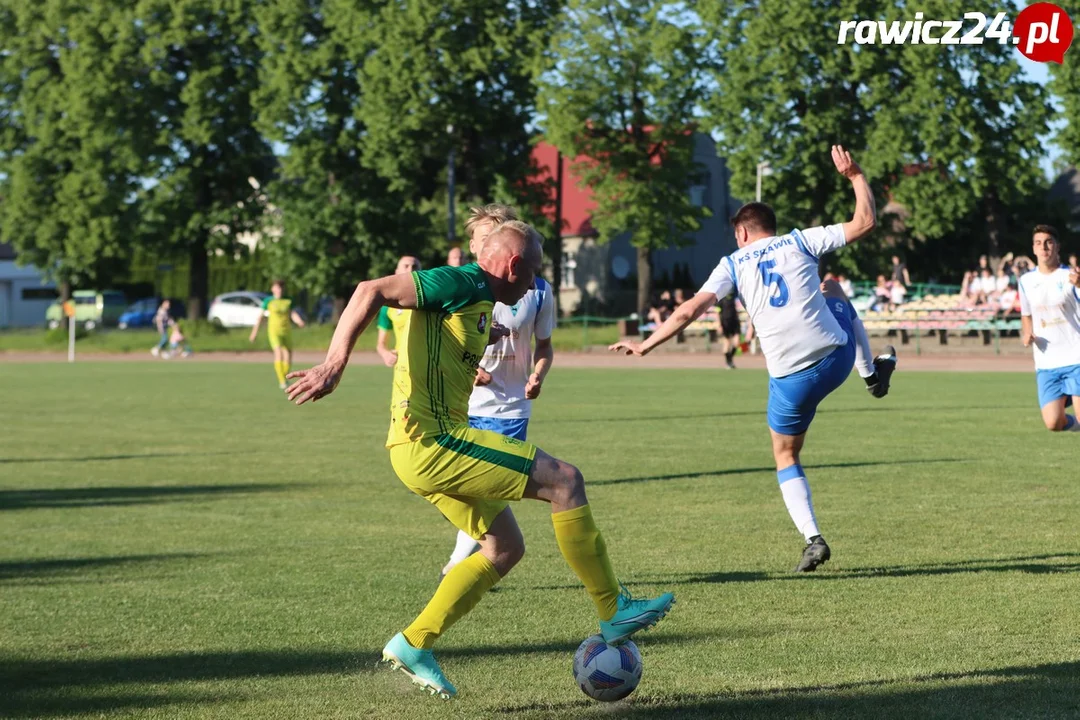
(633,615)
(419,665)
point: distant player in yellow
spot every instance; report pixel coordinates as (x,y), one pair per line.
(279,311)
(471,475)
(394,320)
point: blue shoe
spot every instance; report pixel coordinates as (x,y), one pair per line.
(419,665)
(633,615)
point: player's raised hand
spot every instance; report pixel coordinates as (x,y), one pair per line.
(627,348)
(389,357)
(313,384)
(844,164)
(497,333)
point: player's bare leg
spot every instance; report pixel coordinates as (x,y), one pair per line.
(1057,419)
(562,486)
(796,492)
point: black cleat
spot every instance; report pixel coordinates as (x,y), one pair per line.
(884,364)
(816,553)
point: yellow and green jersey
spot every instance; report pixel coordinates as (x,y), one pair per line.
(394,319)
(278,312)
(438,352)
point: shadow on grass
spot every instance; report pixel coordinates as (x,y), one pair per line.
(107,458)
(770,469)
(65,567)
(123,495)
(34,688)
(1037,691)
(1034,564)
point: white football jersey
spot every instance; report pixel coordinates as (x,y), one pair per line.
(510,360)
(778,283)
(1054,306)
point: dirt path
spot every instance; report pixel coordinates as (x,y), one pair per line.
(660,360)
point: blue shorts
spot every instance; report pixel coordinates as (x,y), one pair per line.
(1058,382)
(793,399)
(510,427)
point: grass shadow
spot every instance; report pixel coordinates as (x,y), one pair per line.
(1037,691)
(772,469)
(65,567)
(108,458)
(123,495)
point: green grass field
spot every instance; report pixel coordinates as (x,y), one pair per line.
(177,541)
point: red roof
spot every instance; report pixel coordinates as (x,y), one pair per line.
(578,202)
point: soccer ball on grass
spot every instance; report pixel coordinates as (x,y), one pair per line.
(607,672)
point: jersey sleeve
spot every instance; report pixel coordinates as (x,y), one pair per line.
(266,302)
(383,321)
(1025,306)
(722,279)
(545,318)
(449,288)
(819,240)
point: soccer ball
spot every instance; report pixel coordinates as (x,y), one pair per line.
(607,672)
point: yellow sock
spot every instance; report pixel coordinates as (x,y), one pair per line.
(279,370)
(458,593)
(583,547)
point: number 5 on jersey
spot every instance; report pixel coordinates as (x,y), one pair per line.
(779,296)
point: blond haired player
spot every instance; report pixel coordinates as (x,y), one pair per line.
(471,475)
(511,373)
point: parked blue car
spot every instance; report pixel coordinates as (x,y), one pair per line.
(141,313)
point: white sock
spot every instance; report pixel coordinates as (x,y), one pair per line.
(864,356)
(796,492)
(463,548)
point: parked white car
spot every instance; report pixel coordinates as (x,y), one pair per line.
(236,309)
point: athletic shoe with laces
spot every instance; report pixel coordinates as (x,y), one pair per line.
(814,554)
(634,614)
(884,364)
(419,665)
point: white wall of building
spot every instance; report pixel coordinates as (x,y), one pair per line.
(24,296)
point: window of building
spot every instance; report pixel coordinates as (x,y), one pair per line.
(569,265)
(39,294)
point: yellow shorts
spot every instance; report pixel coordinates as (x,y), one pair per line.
(283,340)
(470,475)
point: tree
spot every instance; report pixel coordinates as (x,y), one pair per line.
(69,161)
(338,220)
(203,57)
(1065,85)
(451,75)
(945,132)
(622,84)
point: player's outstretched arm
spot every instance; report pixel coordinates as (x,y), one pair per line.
(685,314)
(255,330)
(297,318)
(865,218)
(394,290)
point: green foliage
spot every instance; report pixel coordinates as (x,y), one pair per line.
(953,137)
(60,336)
(1065,85)
(202,57)
(70,122)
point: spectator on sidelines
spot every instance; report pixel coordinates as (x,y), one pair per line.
(882,296)
(679,299)
(987,285)
(845,285)
(1009,299)
(1073,264)
(899,272)
(162,322)
(660,309)
(897,291)
(728,322)
(1001,282)
(456,257)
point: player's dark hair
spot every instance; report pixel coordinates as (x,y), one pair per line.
(1046,230)
(755,216)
